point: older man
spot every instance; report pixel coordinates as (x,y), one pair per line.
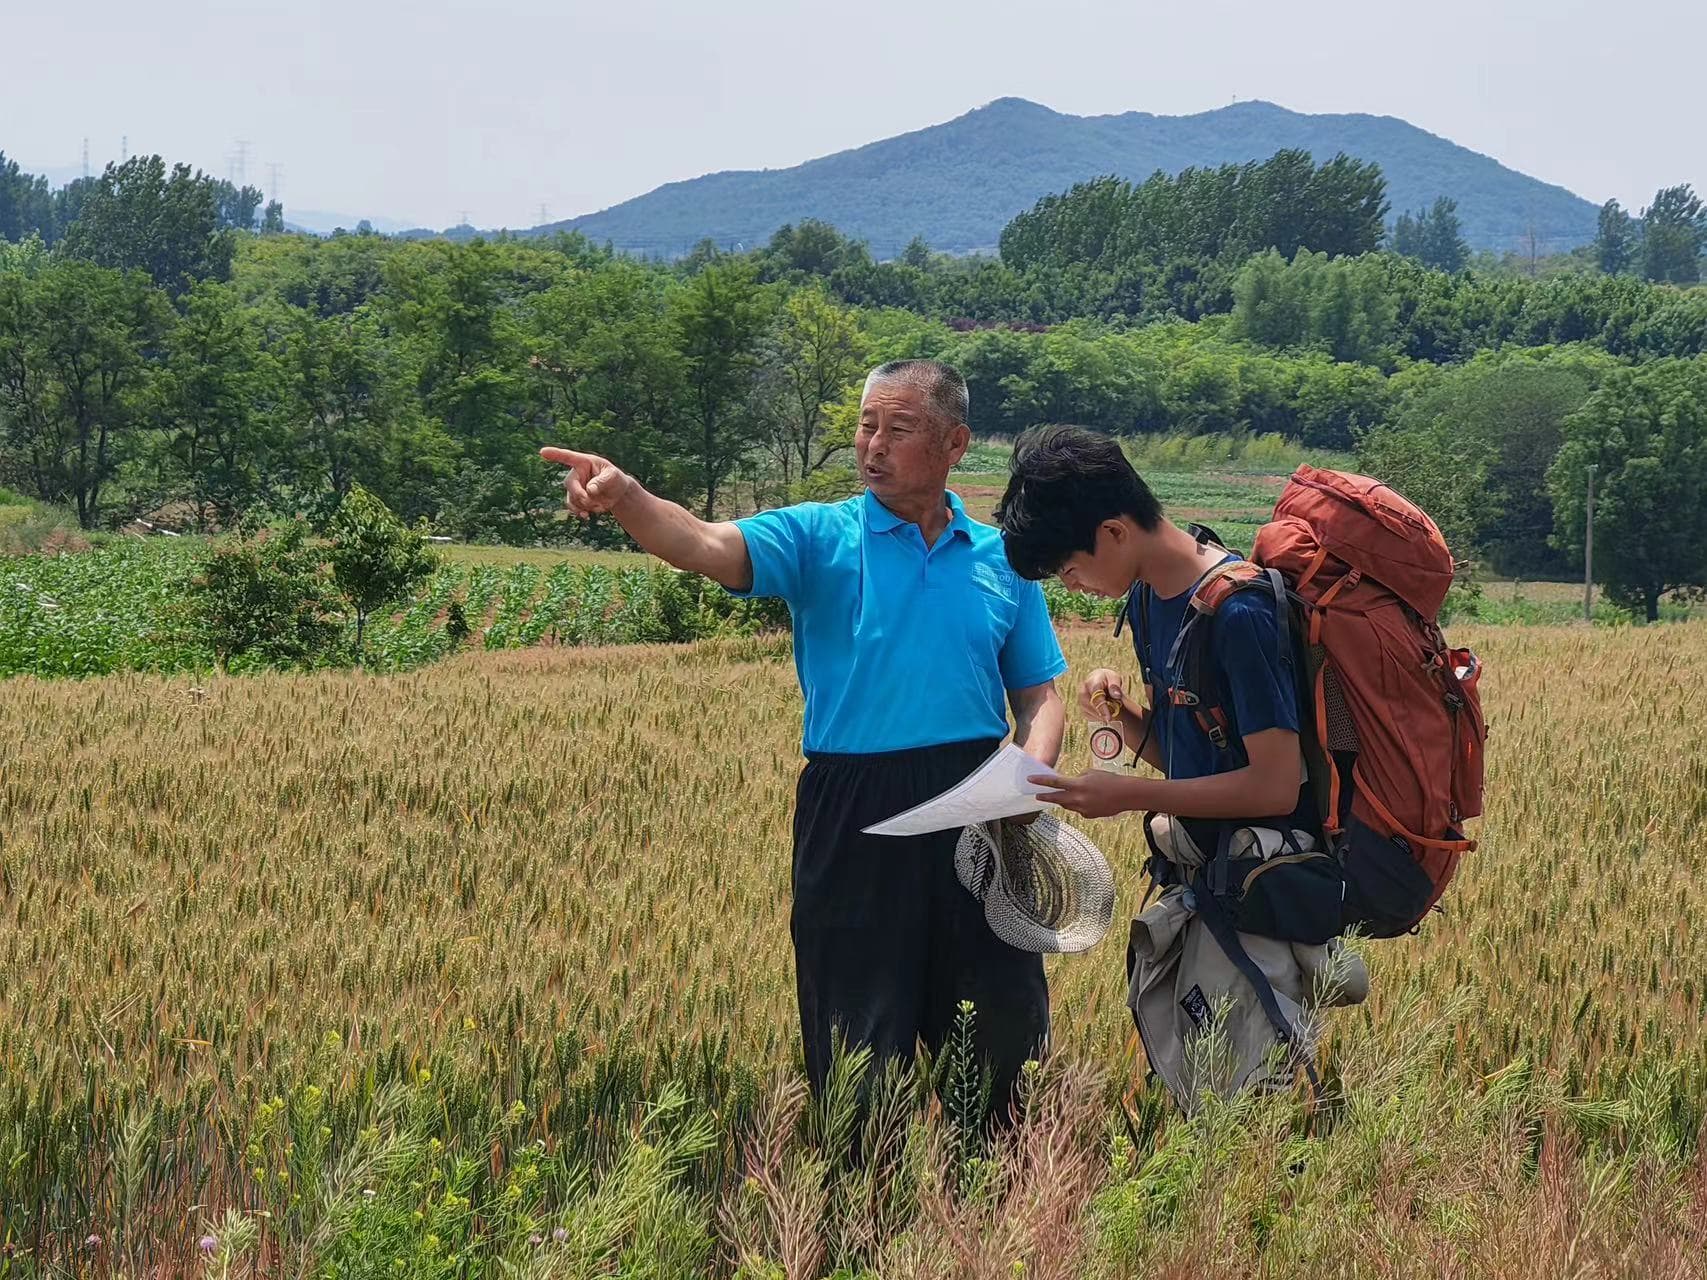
(909,626)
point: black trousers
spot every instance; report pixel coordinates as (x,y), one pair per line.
(887,941)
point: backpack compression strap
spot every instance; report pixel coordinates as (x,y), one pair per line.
(1221,929)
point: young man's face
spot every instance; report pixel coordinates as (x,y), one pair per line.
(1107,570)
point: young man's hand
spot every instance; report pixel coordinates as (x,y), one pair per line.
(1101,696)
(1090,795)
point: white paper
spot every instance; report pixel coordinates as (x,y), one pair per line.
(996,789)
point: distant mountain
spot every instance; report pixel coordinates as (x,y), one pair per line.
(958,184)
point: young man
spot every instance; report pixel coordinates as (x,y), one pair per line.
(1075,508)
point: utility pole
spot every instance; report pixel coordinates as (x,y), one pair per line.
(1588,549)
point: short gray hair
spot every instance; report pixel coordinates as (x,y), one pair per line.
(944,388)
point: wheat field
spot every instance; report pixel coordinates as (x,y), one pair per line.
(558,878)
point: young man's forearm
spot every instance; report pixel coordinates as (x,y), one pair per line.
(1239,794)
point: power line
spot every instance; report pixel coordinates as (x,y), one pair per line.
(85,157)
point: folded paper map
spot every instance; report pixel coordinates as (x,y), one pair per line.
(996,789)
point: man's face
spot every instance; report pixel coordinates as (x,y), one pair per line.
(1108,570)
(902,452)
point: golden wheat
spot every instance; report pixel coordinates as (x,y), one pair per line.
(203,880)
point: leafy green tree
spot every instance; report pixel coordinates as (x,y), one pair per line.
(352,418)
(1076,373)
(26,204)
(1615,239)
(264,594)
(68,204)
(1286,203)
(137,216)
(238,206)
(1674,233)
(329,277)
(1437,468)
(1272,301)
(219,404)
(718,319)
(1433,237)
(74,373)
(811,248)
(1645,430)
(607,374)
(376,558)
(25,257)
(1340,304)
(464,349)
(812,358)
(272,221)
(1507,411)
(1332,402)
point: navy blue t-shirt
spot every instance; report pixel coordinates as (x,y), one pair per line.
(1257,687)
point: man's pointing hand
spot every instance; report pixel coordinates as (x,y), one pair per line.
(593,484)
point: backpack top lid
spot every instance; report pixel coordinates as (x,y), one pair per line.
(1367,526)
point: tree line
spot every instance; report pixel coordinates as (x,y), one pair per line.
(169,348)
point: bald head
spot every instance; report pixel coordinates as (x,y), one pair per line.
(942,387)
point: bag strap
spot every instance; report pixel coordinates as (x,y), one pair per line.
(1199,674)
(1221,929)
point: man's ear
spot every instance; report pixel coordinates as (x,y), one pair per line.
(959,440)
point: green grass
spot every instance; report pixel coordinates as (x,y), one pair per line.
(1247,454)
(27,526)
(987,456)
(470,554)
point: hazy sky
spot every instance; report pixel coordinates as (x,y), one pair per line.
(421,110)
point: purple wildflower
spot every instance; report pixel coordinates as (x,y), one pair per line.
(208,1244)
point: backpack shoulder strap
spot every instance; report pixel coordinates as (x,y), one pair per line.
(1194,658)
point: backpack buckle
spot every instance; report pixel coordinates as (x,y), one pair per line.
(1182,697)
(1218,736)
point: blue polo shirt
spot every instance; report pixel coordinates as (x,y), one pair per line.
(900,645)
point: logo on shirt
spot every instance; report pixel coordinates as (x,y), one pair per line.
(999,579)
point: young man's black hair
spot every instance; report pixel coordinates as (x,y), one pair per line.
(1064,483)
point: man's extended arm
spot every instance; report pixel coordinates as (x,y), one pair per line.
(667,530)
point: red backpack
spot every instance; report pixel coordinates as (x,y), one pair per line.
(1391,720)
